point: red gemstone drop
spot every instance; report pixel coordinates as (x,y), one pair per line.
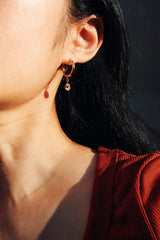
(46,94)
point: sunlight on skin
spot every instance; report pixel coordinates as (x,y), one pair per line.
(32,143)
(27,33)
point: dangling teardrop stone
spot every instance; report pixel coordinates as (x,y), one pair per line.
(46,94)
(67,87)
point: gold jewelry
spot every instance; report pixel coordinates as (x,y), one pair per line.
(65,68)
(46,93)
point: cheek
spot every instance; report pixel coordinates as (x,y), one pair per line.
(28,30)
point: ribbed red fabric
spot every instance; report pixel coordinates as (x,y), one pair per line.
(125,201)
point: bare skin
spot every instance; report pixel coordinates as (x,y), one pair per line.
(43,173)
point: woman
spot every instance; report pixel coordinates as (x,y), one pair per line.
(62,184)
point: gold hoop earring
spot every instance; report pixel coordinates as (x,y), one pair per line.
(68,75)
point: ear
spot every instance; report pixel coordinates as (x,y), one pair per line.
(87,39)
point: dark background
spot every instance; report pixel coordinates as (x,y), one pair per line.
(143,19)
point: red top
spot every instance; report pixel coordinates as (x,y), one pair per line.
(125,200)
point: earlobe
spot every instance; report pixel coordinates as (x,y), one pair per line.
(88,40)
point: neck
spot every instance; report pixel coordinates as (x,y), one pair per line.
(32,145)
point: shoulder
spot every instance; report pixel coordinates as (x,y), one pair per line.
(136,189)
(126,162)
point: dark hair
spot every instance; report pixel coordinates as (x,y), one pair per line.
(95,112)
